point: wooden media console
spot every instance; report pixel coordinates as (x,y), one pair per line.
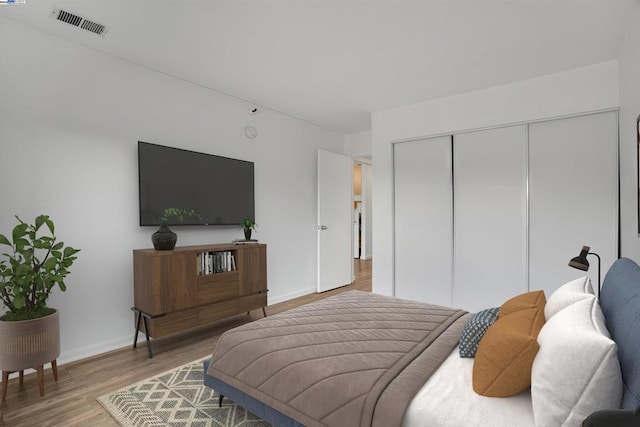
(193,286)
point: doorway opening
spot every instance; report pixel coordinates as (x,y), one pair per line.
(362,229)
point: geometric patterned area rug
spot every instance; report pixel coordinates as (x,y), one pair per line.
(176,398)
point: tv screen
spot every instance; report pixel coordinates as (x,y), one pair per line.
(219,189)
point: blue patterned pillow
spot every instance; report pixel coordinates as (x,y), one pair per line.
(475,329)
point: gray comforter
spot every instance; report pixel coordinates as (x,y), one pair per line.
(354,359)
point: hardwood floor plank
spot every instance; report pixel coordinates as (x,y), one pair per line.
(71,401)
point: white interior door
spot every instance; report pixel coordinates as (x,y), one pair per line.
(335,204)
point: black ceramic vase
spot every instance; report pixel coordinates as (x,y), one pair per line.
(247,234)
(164,239)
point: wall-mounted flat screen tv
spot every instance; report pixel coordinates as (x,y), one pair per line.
(219,189)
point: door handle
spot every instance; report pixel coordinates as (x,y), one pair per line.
(321,227)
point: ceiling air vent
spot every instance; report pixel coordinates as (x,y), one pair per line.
(79,21)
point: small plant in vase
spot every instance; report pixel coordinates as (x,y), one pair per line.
(248,225)
(164,239)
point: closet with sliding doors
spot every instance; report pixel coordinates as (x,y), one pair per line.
(483,215)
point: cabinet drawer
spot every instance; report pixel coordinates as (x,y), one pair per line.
(252,302)
(227,276)
(172,322)
(216,311)
(217,291)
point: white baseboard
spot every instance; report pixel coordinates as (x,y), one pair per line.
(292,295)
(86,352)
(97,349)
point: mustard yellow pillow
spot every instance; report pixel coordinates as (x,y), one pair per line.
(533,299)
(502,366)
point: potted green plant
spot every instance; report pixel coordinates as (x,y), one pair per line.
(164,239)
(34,265)
(248,225)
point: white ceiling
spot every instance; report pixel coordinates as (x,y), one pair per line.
(333,62)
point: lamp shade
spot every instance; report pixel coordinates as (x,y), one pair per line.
(580,262)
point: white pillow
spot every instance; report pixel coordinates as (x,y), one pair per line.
(567,294)
(576,370)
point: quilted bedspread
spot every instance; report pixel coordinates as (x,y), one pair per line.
(353,359)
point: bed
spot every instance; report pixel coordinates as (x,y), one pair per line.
(365,359)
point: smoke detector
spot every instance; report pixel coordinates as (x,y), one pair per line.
(79,21)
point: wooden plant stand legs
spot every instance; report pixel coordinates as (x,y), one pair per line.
(54,369)
(40,369)
(5,380)
(41,380)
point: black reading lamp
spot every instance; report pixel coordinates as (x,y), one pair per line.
(580,262)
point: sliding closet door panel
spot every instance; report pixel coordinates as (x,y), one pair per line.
(573,196)
(490,217)
(423,220)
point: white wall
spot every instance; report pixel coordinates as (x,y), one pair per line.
(358,145)
(70,119)
(629,66)
(576,91)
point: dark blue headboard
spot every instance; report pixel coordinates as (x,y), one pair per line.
(620,302)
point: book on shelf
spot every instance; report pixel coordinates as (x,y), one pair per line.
(216,262)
